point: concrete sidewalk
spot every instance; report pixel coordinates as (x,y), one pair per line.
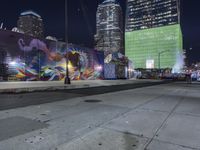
(33,86)
(163,117)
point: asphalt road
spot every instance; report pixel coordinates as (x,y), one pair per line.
(9,101)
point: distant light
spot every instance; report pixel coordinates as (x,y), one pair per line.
(13,63)
(70,66)
(130,70)
(98,68)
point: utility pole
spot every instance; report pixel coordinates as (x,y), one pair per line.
(67,79)
(159,53)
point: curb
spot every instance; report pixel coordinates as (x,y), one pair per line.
(41,89)
(71,87)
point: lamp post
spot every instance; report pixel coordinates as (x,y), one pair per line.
(159,53)
(67,79)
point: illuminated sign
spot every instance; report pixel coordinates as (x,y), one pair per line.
(149,63)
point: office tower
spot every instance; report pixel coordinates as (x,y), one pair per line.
(109,27)
(31,24)
(153,36)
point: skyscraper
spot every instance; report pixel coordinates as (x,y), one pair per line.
(153,37)
(109,32)
(31,24)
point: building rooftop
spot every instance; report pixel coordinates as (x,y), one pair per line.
(109,1)
(30,12)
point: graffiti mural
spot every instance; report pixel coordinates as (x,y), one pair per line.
(85,63)
(30,59)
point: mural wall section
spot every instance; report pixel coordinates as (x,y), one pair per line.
(24,58)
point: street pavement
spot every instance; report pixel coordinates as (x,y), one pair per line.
(161,117)
(34,86)
(36,94)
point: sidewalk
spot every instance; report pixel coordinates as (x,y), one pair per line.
(162,117)
(33,86)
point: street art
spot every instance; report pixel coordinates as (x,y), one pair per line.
(84,63)
(40,45)
(31,59)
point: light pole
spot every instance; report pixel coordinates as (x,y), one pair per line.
(67,79)
(159,53)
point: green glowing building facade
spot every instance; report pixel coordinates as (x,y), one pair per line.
(153,36)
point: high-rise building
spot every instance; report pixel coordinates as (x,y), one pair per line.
(109,29)
(31,24)
(153,36)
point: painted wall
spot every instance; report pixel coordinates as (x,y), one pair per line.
(30,59)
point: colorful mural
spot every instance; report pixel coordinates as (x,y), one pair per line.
(31,59)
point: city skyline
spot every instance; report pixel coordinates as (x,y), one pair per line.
(84,13)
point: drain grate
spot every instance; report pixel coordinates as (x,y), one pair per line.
(92,101)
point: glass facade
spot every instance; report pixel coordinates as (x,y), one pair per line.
(143,47)
(153,34)
(144,14)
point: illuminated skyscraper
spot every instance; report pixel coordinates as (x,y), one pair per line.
(153,37)
(109,34)
(31,24)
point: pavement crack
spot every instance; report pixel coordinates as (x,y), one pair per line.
(165,120)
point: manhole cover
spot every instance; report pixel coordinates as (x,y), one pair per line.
(92,101)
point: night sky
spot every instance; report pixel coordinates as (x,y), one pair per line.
(82,20)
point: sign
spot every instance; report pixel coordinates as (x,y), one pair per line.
(150,64)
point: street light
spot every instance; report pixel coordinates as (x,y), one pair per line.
(159,53)
(67,79)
